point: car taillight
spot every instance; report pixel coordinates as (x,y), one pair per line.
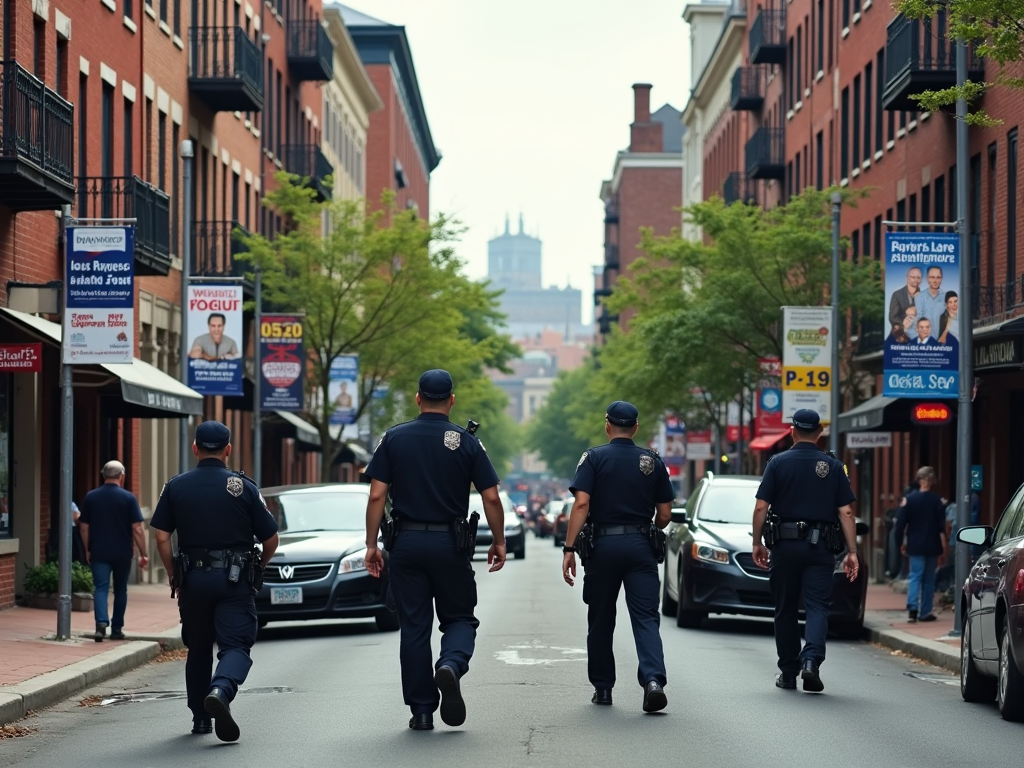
(1018,584)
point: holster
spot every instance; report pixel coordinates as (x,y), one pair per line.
(464,530)
(770,533)
(388,532)
(584,543)
(181,565)
(834,539)
(255,570)
(657,538)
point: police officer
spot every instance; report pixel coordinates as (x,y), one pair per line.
(620,487)
(807,490)
(427,465)
(216,513)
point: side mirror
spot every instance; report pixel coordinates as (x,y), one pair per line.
(679,516)
(863,529)
(979,535)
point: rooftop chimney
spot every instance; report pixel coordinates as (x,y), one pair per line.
(644,135)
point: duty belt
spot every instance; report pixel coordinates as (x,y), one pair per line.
(798,529)
(208,558)
(405,525)
(620,530)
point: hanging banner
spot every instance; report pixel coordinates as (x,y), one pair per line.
(807,361)
(282,363)
(769,396)
(922,348)
(99,316)
(675,441)
(699,445)
(343,389)
(215,365)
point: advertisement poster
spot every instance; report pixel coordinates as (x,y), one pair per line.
(807,361)
(215,364)
(769,396)
(343,389)
(282,363)
(922,347)
(99,321)
(699,445)
(675,441)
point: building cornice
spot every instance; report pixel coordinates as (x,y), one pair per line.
(353,71)
(627,160)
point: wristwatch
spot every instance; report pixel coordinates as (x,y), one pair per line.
(569,550)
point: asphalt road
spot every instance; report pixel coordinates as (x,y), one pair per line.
(329,695)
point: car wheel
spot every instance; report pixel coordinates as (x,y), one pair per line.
(684,618)
(387,621)
(669,607)
(973,686)
(848,630)
(521,552)
(1010,692)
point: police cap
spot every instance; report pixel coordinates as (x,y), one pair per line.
(436,384)
(212,436)
(622,414)
(806,419)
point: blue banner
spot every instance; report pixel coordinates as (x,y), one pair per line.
(922,344)
(215,364)
(282,363)
(99,319)
(343,389)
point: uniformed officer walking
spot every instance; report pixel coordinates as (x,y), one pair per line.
(216,513)
(809,491)
(428,465)
(619,487)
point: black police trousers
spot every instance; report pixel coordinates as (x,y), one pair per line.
(619,561)
(798,570)
(214,609)
(427,571)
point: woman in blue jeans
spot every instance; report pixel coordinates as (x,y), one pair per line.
(922,518)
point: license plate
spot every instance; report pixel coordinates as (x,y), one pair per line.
(285,595)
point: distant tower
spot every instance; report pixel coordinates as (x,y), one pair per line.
(514,260)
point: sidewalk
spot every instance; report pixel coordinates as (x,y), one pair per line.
(38,671)
(885,623)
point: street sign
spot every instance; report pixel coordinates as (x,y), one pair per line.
(868,440)
(99,314)
(807,361)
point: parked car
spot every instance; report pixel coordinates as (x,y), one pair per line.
(709,567)
(319,569)
(992,602)
(515,531)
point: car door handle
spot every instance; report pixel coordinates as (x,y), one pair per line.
(1001,563)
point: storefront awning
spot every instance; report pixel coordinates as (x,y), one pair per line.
(362,455)
(152,392)
(304,431)
(768,441)
(868,415)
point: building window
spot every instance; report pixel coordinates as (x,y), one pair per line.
(796,176)
(81,108)
(856,6)
(856,121)
(177,17)
(128,132)
(865,241)
(878,237)
(163,11)
(38,48)
(926,205)
(128,8)
(175,188)
(993,205)
(107,131)
(879,87)
(819,159)
(60,84)
(901,210)
(789,180)
(799,63)
(791,98)
(1011,206)
(148,159)
(913,211)
(844,135)
(867,112)
(974,203)
(855,246)
(821,36)
(6,460)
(846,13)
(940,199)
(161,150)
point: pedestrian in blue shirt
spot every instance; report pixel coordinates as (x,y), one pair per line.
(923,519)
(110,522)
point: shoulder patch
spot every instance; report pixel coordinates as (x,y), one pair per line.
(582,459)
(646,463)
(235,486)
(452,439)
(821,469)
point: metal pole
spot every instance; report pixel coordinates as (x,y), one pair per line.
(833,421)
(966,314)
(257,413)
(67,457)
(186,153)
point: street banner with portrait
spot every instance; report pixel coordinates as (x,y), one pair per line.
(769,396)
(282,363)
(807,361)
(922,344)
(675,441)
(215,363)
(343,389)
(99,316)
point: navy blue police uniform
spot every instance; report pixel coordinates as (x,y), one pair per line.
(625,483)
(805,488)
(429,464)
(214,511)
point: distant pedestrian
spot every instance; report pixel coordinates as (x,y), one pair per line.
(109,523)
(922,518)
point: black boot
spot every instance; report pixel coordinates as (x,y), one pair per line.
(812,681)
(655,699)
(453,707)
(219,707)
(602,696)
(424,722)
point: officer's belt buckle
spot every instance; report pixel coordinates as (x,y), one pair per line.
(199,563)
(801,526)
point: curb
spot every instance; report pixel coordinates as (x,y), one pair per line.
(933,651)
(169,640)
(48,689)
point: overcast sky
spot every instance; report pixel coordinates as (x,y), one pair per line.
(528,102)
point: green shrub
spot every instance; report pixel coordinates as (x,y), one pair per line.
(43,579)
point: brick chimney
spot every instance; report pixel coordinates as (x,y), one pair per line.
(644,135)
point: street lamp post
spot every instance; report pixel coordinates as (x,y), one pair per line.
(257,412)
(833,427)
(186,265)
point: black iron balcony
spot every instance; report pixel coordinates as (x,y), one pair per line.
(768,37)
(604,323)
(992,303)
(310,52)
(766,155)
(308,161)
(214,248)
(129,197)
(601,293)
(37,139)
(920,56)
(611,256)
(738,189)
(748,89)
(611,212)
(225,69)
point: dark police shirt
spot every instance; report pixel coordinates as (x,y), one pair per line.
(923,517)
(805,483)
(625,482)
(110,511)
(429,464)
(211,507)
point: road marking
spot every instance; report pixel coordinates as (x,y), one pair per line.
(510,654)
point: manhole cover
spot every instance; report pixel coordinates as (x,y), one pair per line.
(130,698)
(944,679)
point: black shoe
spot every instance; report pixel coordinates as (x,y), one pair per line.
(655,699)
(116,634)
(929,617)
(782,680)
(812,681)
(202,726)
(602,696)
(101,631)
(217,705)
(453,708)
(424,722)
(912,615)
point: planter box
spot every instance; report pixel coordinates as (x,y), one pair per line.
(80,601)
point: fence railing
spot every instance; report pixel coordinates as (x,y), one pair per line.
(36,124)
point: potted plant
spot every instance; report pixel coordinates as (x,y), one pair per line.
(41,590)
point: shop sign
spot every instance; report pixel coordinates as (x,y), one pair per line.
(931,414)
(807,361)
(282,363)
(21,358)
(997,353)
(868,440)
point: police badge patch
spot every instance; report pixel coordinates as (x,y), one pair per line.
(582,459)
(235,485)
(646,464)
(452,439)
(821,469)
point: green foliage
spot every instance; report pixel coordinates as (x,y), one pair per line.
(44,579)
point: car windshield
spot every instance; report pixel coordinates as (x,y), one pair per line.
(728,504)
(476,504)
(319,510)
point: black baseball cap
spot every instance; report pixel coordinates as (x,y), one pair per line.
(622,414)
(807,419)
(436,384)
(212,436)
